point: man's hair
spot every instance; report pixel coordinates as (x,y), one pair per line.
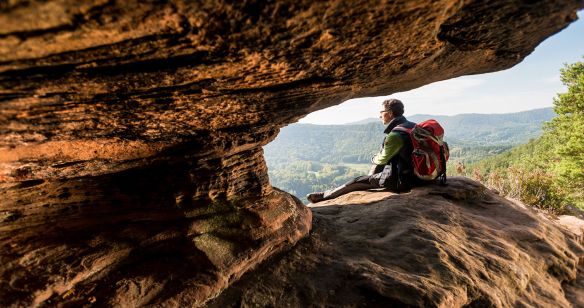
(394,105)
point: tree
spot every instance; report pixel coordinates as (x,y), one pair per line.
(567,129)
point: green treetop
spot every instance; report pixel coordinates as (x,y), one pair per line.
(567,131)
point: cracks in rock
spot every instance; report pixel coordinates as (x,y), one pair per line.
(7,97)
(106,65)
(454,35)
(447,34)
(76,21)
(194,87)
(329,81)
(151,65)
(450,34)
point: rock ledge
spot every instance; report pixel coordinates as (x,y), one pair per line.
(436,246)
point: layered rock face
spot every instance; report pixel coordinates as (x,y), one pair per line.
(454,246)
(131,169)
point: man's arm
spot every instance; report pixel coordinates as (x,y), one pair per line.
(393,143)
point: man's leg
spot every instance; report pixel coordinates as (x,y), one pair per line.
(358,183)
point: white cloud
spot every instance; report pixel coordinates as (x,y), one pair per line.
(552,79)
(442,89)
(427,99)
(450,97)
(499,103)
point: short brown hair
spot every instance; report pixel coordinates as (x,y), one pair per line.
(394,105)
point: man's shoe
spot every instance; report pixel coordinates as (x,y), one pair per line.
(315,197)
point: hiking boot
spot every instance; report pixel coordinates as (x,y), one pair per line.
(315,197)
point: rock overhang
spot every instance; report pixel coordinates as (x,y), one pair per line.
(140,79)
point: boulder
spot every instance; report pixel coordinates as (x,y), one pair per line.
(437,246)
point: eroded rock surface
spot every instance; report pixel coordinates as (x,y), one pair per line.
(435,246)
(131,132)
(107,83)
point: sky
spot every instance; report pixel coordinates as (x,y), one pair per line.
(531,84)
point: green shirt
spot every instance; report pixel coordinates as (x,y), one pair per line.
(391,146)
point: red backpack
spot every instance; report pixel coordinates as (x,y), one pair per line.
(430,152)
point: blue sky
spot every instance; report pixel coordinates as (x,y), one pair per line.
(531,84)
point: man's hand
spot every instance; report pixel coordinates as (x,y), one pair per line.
(375,169)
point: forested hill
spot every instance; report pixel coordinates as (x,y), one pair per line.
(326,143)
(307,157)
(488,129)
(356,143)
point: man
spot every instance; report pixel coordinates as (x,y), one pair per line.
(392,166)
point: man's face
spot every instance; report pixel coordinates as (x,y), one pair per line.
(385,116)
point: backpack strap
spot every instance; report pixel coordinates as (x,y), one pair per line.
(443,160)
(402,129)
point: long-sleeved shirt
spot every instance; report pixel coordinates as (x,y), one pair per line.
(392,144)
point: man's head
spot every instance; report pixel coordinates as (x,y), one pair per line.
(391,108)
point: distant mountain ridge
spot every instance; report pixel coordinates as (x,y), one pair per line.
(507,128)
(528,114)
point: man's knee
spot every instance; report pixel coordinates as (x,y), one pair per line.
(362,179)
(375,179)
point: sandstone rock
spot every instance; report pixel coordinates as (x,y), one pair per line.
(454,246)
(131,169)
(129,243)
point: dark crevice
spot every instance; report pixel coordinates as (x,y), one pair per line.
(161,92)
(50,71)
(12,96)
(112,68)
(67,164)
(455,35)
(151,65)
(329,81)
(29,183)
(376,298)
